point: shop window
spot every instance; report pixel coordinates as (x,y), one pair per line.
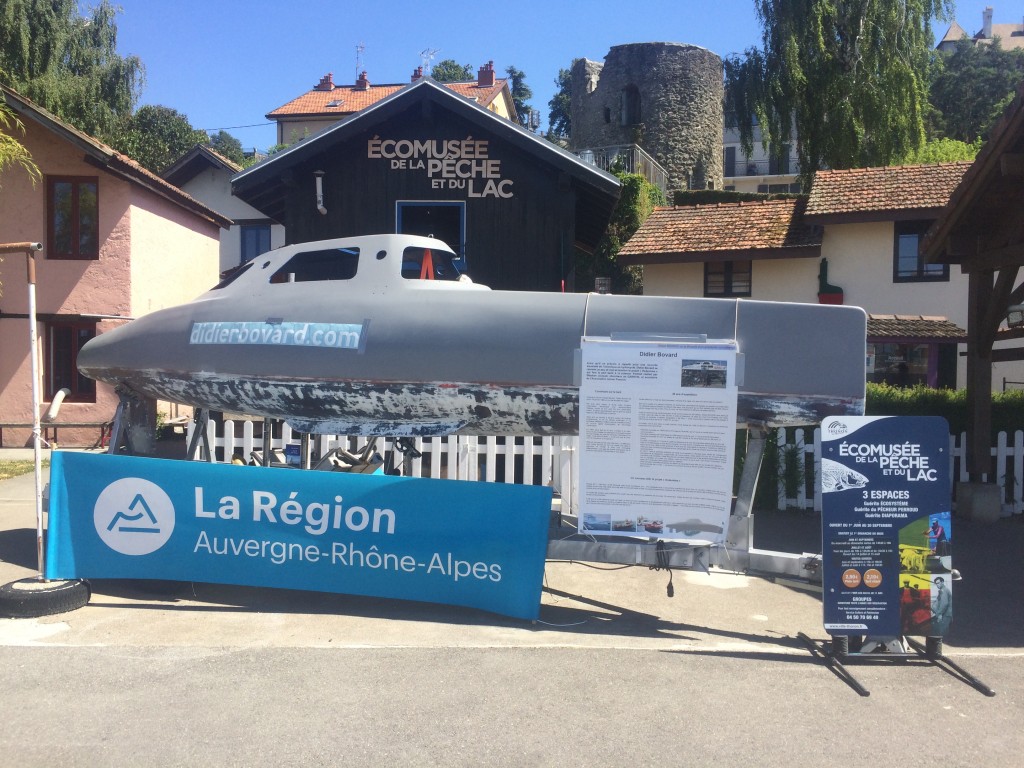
(255,241)
(727,278)
(901,365)
(72,217)
(63,341)
(908,265)
(445,221)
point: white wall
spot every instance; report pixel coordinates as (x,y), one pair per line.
(212,187)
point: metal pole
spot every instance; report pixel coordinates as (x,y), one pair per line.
(30,249)
(33,345)
(30,264)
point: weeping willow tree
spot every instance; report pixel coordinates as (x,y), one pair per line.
(68,63)
(848,78)
(12,151)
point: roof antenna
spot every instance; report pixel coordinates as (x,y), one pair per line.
(360,47)
(426,56)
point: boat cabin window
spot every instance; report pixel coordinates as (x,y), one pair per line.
(428,264)
(317,266)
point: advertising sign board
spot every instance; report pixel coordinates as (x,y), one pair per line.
(886,536)
(480,545)
(657,436)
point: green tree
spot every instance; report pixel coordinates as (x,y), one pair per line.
(942,151)
(12,151)
(971,87)
(450,71)
(560,107)
(851,76)
(636,202)
(68,63)
(521,94)
(227,145)
(157,136)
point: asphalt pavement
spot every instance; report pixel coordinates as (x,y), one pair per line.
(614,673)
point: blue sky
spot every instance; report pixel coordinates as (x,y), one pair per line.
(226,63)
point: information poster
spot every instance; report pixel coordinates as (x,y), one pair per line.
(886,537)
(657,437)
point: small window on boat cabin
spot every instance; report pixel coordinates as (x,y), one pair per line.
(428,264)
(318,266)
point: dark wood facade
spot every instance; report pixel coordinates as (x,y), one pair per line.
(427,161)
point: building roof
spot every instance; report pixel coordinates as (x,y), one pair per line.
(918,327)
(883,194)
(953,34)
(979,226)
(1010,36)
(264,186)
(108,158)
(722,232)
(328,99)
(195,161)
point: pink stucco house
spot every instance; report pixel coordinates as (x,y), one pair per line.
(118,242)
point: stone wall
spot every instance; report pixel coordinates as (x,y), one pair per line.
(666,97)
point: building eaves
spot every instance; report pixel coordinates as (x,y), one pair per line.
(916,327)
(985,200)
(269,171)
(195,161)
(106,158)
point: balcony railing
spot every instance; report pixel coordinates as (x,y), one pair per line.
(784,166)
(629,158)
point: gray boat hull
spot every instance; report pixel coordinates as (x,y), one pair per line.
(451,358)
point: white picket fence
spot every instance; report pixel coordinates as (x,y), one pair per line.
(553,460)
(509,459)
(1007,457)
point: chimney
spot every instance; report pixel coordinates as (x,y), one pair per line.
(416,74)
(326,83)
(986,23)
(485,75)
(362,84)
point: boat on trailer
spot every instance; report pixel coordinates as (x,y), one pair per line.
(381,335)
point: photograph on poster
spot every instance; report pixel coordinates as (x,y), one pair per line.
(704,373)
(926,584)
(657,435)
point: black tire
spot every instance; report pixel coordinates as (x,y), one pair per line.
(840,646)
(933,647)
(31,598)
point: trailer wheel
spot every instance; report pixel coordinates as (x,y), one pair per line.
(33,597)
(933,647)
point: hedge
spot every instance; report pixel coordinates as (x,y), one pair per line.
(951,404)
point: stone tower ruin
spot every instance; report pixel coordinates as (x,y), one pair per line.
(664,97)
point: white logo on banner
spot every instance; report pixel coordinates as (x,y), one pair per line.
(134,516)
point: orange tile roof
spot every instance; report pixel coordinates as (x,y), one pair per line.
(691,233)
(348,99)
(865,191)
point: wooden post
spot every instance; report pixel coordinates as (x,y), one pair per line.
(979,375)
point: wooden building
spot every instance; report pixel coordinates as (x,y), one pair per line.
(425,160)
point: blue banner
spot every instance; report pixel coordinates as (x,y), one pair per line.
(480,545)
(886,537)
